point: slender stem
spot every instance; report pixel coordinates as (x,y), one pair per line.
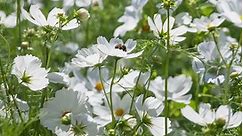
(5,83)
(133,95)
(148,84)
(111,85)
(18,110)
(101,81)
(228,67)
(48,57)
(217,47)
(197,89)
(8,93)
(9,50)
(18,21)
(167,72)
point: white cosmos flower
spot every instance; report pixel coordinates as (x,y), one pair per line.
(29,72)
(67,110)
(231,10)
(178,87)
(130,18)
(184,18)
(95,88)
(160,30)
(223,116)
(117,48)
(205,24)
(198,66)
(8,21)
(129,81)
(120,108)
(88,57)
(69,48)
(23,107)
(148,111)
(36,17)
(208,51)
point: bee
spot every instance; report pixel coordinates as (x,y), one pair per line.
(121,47)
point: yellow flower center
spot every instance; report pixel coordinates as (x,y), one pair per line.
(99,87)
(119,112)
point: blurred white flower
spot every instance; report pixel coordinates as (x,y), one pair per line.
(160,30)
(120,108)
(198,66)
(214,78)
(36,17)
(206,24)
(67,110)
(8,21)
(69,48)
(88,57)
(223,116)
(58,77)
(130,18)
(82,3)
(231,10)
(178,87)
(184,18)
(208,51)
(129,81)
(29,72)
(117,48)
(23,108)
(148,111)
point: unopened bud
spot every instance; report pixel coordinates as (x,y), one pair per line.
(24,45)
(82,14)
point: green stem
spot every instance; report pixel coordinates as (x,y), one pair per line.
(167,72)
(197,89)
(18,110)
(217,47)
(9,50)
(18,22)
(228,67)
(133,95)
(111,85)
(48,57)
(148,84)
(101,81)
(6,86)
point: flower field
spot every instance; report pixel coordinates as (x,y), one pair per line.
(120,67)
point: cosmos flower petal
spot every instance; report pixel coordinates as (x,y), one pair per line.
(193,116)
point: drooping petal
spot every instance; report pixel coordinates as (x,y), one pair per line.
(193,116)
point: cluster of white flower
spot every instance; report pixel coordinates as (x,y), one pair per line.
(95,97)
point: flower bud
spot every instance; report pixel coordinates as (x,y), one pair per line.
(82,14)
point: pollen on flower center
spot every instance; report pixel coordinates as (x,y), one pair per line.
(121,47)
(99,87)
(119,112)
(66,118)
